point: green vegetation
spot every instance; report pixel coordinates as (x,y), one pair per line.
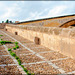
(16,43)
(19,61)
(1,35)
(7,21)
(9,49)
(10,21)
(14,48)
(25,69)
(2,21)
(4,42)
(14,55)
(22,66)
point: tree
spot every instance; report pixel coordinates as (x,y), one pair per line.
(7,21)
(2,21)
(10,21)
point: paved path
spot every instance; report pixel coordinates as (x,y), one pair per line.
(39,59)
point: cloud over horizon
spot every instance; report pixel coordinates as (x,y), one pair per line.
(32,10)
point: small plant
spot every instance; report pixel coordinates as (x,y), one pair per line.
(22,66)
(19,61)
(1,35)
(4,42)
(25,69)
(28,73)
(16,43)
(13,54)
(16,57)
(14,48)
(1,42)
(9,49)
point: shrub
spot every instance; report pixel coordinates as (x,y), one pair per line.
(14,48)
(13,54)
(9,49)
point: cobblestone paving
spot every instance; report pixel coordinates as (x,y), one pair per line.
(36,58)
(7,65)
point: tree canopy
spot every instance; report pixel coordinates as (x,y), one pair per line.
(7,21)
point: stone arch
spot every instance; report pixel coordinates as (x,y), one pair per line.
(67,24)
(37,40)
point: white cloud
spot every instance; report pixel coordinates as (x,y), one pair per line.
(55,11)
(35,15)
(10,12)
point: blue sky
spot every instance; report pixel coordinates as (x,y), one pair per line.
(32,10)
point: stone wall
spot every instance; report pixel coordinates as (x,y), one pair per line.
(58,39)
(2,25)
(54,22)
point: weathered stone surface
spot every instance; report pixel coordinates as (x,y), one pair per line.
(55,38)
(57,31)
(72,33)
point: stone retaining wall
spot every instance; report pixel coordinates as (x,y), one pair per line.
(58,39)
